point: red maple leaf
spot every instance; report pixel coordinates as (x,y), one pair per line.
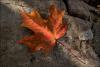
(47,31)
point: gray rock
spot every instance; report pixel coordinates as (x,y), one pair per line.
(79,28)
(87,35)
(79,8)
(16,55)
(97,37)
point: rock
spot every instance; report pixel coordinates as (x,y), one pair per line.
(80,9)
(92,2)
(97,38)
(87,35)
(16,55)
(87,1)
(79,28)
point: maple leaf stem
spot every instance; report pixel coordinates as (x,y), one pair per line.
(69,49)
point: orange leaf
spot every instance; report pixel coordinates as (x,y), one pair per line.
(55,17)
(47,31)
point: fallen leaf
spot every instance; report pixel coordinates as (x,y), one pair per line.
(47,31)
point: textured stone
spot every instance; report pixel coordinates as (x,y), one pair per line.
(87,35)
(97,37)
(16,55)
(79,28)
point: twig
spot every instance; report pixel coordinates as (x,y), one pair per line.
(70,50)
